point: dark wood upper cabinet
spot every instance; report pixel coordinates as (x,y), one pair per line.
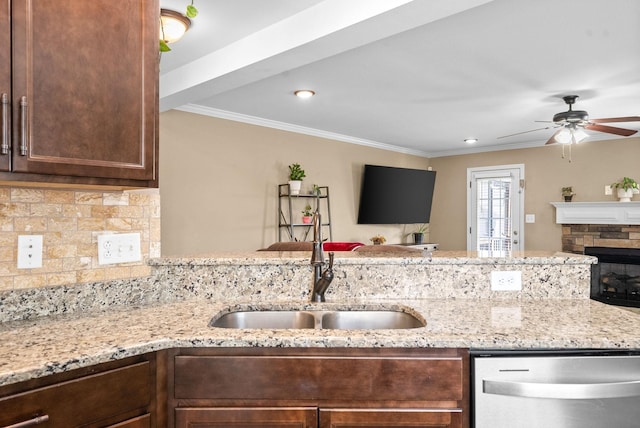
(5,84)
(84,91)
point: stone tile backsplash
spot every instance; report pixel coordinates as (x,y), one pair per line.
(70,222)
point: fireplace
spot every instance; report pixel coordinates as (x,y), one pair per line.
(616,277)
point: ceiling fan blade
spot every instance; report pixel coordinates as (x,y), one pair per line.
(611,130)
(552,140)
(524,132)
(617,119)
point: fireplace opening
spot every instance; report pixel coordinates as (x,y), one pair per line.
(616,277)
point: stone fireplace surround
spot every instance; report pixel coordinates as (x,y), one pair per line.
(577,236)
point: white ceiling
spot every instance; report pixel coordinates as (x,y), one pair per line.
(415,76)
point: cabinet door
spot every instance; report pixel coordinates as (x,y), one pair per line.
(241,417)
(85,79)
(115,395)
(5,84)
(391,418)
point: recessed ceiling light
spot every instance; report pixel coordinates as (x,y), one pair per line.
(304,93)
(470,140)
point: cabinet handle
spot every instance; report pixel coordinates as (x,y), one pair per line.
(4,147)
(24,138)
(31,422)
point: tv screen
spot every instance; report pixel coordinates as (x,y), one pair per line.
(392,195)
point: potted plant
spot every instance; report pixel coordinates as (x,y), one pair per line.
(307,214)
(378,240)
(296,174)
(567,193)
(418,235)
(626,187)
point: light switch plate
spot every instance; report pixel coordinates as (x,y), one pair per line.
(530,218)
(118,248)
(29,251)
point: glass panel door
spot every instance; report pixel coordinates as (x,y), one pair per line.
(495,203)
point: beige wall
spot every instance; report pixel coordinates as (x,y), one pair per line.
(594,165)
(218,182)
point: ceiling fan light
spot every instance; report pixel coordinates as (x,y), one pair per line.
(579,135)
(563,137)
(173,25)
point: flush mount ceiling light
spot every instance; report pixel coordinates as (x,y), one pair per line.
(304,93)
(173,25)
(470,140)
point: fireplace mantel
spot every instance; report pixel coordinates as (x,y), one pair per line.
(597,212)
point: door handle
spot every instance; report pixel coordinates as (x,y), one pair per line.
(567,391)
(4,146)
(24,136)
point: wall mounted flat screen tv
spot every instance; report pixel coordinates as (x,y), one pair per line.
(393,195)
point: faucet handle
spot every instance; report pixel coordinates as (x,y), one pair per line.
(331,254)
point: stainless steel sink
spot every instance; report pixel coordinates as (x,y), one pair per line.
(319,319)
(266,319)
(369,320)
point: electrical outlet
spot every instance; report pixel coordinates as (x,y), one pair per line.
(608,190)
(506,280)
(29,251)
(118,248)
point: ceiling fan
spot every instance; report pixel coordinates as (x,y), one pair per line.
(573,122)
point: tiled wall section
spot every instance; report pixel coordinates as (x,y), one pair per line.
(577,236)
(70,222)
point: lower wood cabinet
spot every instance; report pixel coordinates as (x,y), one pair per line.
(119,394)
(325,388)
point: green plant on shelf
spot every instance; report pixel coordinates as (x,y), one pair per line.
(296,173)
(626,183)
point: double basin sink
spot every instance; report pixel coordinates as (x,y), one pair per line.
(319,319)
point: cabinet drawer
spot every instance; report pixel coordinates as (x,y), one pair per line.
(319,377)
(82,401)
(443,418)
(143,421)
(247,417)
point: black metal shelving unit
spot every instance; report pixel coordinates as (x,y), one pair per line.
(290,205)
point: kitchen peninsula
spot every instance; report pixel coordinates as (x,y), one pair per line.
(450,291)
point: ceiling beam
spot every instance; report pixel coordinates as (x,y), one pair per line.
(326,29)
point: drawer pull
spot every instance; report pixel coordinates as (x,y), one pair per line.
(23,126)
(31,422)
(4,147)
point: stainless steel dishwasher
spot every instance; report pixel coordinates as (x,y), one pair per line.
(547,390)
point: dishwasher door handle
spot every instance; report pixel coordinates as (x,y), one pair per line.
(567,391)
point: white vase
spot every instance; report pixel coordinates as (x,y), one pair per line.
(625,195)
(294,187)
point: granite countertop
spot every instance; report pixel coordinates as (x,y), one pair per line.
(57,343)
